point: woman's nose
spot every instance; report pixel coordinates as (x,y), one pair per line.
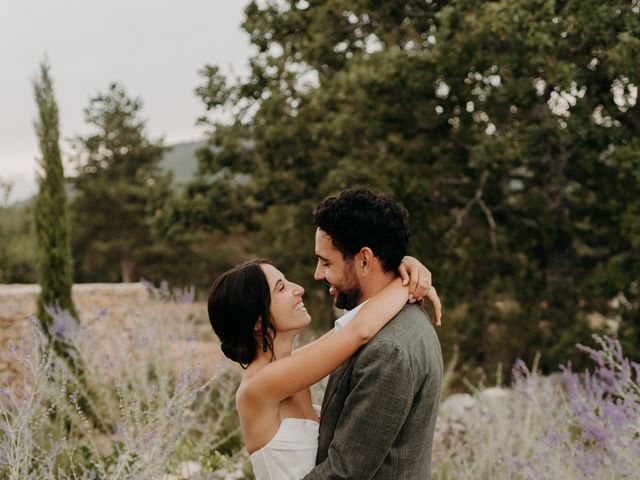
(298,290)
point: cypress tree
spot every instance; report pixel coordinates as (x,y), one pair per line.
(50,212)
(54,266)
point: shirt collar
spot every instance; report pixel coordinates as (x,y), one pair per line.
(345,319)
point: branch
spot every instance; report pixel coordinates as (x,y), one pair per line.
(477,199)
(492,224)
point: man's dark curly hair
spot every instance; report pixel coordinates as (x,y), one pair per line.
(361,217)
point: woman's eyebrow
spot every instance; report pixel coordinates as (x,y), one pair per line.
(275,287)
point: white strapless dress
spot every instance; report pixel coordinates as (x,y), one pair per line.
(290,454)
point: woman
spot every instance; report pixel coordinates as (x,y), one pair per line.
(256,312)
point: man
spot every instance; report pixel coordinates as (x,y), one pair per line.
(379,409)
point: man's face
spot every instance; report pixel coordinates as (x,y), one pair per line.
(337,272)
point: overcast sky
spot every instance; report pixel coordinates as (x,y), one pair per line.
(154,47)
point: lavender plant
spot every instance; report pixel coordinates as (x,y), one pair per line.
(605,408)
(163,292)
(22,430)
(569,425)
(155,407)
(160,417)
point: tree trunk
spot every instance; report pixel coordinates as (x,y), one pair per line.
(126,268)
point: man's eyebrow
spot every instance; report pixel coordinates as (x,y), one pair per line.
(322,258)
(275,287)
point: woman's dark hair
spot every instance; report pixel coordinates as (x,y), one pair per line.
(238,299)
(361,217)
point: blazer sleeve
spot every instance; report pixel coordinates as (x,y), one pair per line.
(373,414)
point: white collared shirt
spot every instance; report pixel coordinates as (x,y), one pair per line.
(345,319)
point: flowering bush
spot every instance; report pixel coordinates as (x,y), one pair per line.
(139,406)
(132,408)
(565,426)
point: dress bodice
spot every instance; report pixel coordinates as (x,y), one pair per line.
(290,454)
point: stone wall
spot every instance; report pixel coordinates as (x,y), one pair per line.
(18,302)
(118,305)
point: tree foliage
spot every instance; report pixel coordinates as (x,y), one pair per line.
(17,244)
(507,128)
(50,209)
(122,224)
(118,190)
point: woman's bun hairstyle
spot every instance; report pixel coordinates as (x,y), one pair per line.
(238,299)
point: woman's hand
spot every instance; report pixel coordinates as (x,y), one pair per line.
(418,278)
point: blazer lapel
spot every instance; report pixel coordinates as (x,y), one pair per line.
(332,385)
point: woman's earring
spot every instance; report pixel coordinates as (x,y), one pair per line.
(264,343)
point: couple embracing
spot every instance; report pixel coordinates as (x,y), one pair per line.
(379,409)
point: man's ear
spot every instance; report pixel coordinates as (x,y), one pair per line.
(364,262)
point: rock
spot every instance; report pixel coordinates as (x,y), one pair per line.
(188,469)
(495,393)
(456,405)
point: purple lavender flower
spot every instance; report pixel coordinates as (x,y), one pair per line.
(606,407)
(151,288)
(163,292)
(185,296)
(4,395)
(63,325)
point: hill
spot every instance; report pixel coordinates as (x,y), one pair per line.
(181,160)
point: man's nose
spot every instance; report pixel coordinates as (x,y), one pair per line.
(318,274)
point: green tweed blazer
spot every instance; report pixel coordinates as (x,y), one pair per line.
(380,407)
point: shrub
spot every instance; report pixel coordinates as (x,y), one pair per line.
(569,426)
(152,408)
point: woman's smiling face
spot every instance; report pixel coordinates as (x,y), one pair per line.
(287,308)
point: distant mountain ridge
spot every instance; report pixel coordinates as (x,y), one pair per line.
(181,160)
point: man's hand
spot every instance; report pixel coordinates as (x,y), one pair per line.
(418,278)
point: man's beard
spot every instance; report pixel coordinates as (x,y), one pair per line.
(349,295)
